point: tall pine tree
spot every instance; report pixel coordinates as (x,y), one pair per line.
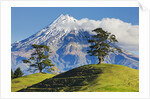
(39,59)
(102,43)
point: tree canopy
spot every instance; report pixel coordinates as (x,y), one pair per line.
(102,43)
(39,59)
(18,73)
(12,74)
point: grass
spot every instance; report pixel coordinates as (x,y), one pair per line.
(91,78)
(25,81)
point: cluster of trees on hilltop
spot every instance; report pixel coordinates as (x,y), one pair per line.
(17,73)
(101,45)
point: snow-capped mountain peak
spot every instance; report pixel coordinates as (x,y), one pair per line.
(64,19)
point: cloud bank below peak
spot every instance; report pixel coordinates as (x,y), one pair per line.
(126,33)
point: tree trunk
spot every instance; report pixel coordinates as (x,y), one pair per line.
(40,70)
(40,67)
(100,59)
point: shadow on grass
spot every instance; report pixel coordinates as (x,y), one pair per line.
(69,81)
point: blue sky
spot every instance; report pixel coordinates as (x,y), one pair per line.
(26,21)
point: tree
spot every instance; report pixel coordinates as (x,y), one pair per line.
(39,58)
(18,73)
(102,43)
(12,74)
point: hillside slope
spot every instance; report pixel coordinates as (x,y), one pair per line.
(91,78)
(25,81)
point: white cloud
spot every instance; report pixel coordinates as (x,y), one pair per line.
(88,24)
(126,33)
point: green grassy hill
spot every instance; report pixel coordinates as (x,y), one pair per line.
(25,81)
(91,78)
